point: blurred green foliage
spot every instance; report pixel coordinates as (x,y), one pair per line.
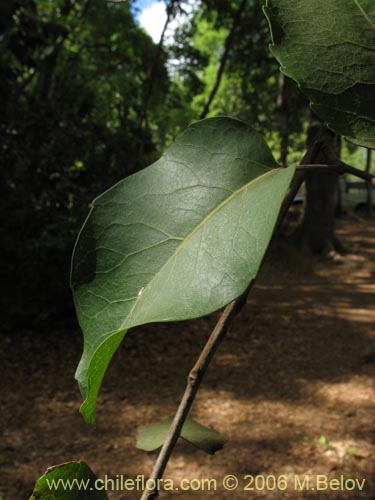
(73,81)
(71,85)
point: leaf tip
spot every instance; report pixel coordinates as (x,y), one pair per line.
(88,412)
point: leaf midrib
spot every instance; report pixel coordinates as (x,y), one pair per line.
(126,323)
(364,14)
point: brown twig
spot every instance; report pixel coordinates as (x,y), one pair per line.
(193,382)
(197,373)
(338,168)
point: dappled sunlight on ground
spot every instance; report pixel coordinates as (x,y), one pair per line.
(291,387)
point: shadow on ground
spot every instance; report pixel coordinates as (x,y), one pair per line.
(298,364)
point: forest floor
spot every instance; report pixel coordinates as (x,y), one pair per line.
(292,388)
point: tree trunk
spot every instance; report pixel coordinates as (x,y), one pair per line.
(369,187)
(316,232)
(317,229)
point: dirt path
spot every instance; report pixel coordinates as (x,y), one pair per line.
(291,387)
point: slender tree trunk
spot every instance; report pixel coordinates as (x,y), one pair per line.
(227,47)
(150,80)
(48,66)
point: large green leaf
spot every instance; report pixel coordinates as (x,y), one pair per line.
(151,437)
(178,240)
(69,481)
(328,48)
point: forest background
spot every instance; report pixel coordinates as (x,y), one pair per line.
(88,97)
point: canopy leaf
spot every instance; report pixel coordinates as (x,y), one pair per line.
(328,48)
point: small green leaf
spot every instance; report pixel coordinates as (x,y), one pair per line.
(352,451)
(68,481)
(322,440)
(328,48)
(176,241)
(152,437)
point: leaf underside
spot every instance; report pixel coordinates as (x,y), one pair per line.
(328,48)
(152,437)
(178,240)
(68,473)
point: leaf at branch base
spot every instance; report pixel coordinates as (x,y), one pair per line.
(152,437)
(53,485)
(176,241)
(328,48)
